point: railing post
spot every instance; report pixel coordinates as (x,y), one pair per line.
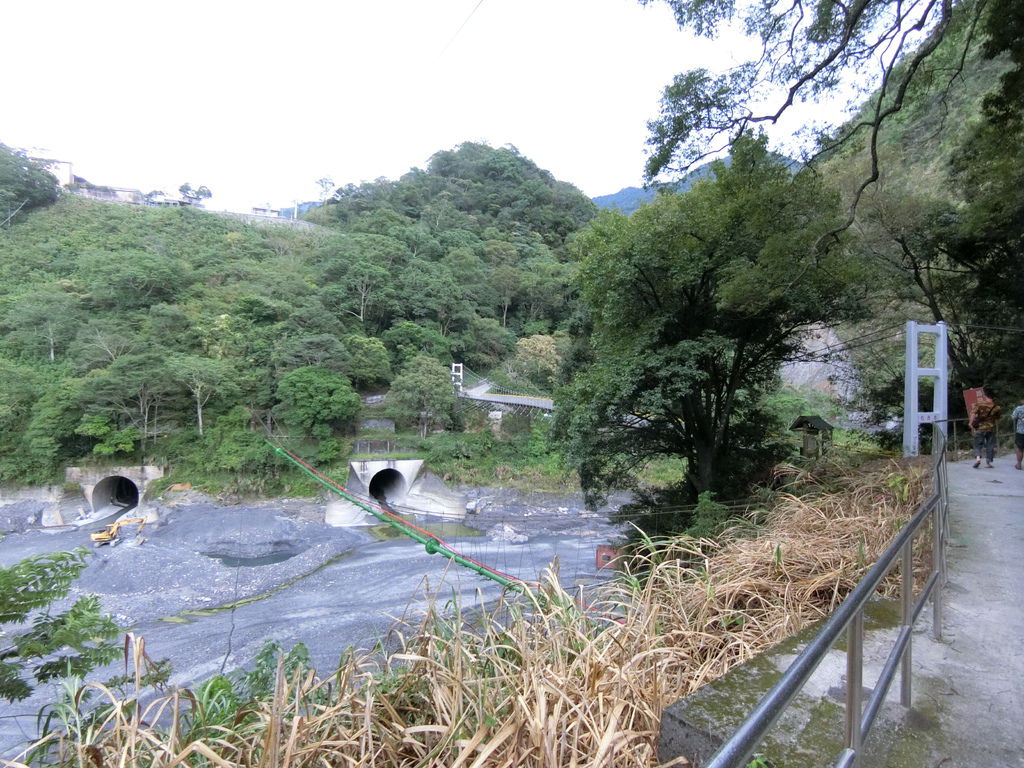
(906,663)
(937,558)
(938,534)
(854,684)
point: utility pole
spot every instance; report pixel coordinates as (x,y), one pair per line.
(11,214)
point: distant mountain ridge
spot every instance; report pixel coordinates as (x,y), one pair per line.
(628,199)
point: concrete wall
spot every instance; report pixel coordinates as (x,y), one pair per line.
(809,734)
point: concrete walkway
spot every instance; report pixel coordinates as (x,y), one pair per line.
(976,673)
(968,686)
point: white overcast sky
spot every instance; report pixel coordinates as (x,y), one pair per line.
(258,100)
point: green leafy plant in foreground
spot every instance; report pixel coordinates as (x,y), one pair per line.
(230,700)
(66,644)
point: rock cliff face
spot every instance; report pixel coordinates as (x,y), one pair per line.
(833,376)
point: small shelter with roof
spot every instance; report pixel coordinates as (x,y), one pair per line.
(817,435)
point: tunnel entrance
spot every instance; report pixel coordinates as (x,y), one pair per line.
(115,493)
(388,485)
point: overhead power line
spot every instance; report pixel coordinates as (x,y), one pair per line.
(866,339)
(1008,329)
(461,26)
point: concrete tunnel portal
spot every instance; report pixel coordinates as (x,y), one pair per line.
(109,489)
(388,484)
(390,480)
(398,482)
(116,491)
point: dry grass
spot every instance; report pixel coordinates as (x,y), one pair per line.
(539,682)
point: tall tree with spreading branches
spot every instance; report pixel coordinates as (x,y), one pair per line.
(805,51)
(696,300)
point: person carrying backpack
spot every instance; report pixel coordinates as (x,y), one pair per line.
(983,419)
(1018,435)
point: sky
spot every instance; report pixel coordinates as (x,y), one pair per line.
(257,101)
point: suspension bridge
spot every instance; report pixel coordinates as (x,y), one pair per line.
(470,386)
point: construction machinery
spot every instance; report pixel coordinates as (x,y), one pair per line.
(109,534)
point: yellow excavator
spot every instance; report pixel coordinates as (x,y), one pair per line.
(109,534)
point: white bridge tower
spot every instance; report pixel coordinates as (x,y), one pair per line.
(913,416)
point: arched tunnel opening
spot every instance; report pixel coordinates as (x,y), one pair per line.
(388,485)
(117,492)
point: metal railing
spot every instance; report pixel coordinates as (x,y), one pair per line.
(849,617)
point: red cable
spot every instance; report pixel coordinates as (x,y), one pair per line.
(401,521)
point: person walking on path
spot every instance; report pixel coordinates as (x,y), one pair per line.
(984,417)
(1018,435)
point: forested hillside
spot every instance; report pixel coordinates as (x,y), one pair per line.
(165,334)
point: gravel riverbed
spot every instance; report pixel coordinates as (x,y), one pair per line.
(209,582)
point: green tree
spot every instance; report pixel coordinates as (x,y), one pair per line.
(360,271)
(422,394)
(696,300)
(43,321)
(101,340)
(368,365)
(195,196)
(321,349)
(431,291)
(69,643)
(363,286)
(20,387)
(203,377)
(943,230)
(24,183)
(109,439)
(485,343)
(317,401)
(807,50)
(130,279)
(133,391)
(405,340)
(50,438)
(1004,33)
(545,291)
(538,359)
(507,282)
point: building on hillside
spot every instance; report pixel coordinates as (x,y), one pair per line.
(61,169)
(161,200)
(107,194)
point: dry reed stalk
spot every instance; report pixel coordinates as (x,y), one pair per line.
(537,682)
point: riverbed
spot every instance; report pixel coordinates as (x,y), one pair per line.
(208,582)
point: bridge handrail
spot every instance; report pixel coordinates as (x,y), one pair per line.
(737,750)
(534,401)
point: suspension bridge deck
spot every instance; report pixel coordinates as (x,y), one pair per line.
(519,401)
(470,386)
